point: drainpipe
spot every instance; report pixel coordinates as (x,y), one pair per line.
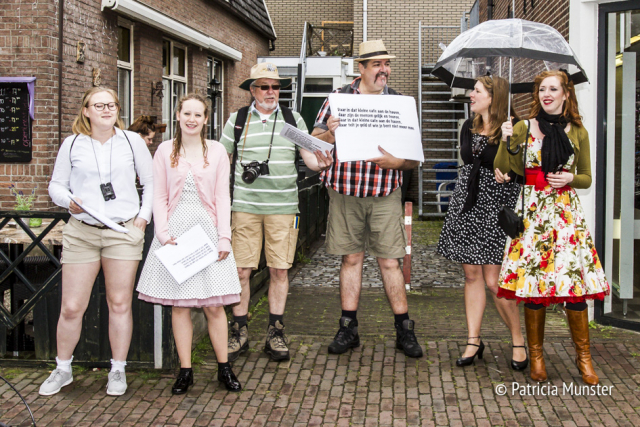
(364,20)
(60,34)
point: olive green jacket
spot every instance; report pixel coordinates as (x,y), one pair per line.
(581,168)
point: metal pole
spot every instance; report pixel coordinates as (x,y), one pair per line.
(420,177)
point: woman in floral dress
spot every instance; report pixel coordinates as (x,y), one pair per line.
(554,260)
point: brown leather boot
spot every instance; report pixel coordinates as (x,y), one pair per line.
(579,325)
(534,323)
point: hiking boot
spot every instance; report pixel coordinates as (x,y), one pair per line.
(55,382)
(238,340)
(276,344)
(117,384)
(347,336)
(406,339)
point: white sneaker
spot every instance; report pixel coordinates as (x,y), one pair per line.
(55,382)
(117,384)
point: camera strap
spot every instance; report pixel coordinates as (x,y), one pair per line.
(110,158)
(275,120)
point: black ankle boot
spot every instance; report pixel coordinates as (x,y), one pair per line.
(184,380)
(229,379)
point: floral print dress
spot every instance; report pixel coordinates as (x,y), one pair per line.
(554,260)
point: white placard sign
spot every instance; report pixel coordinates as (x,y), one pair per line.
(304,140)
(99,217)
(369,121)
(194,252)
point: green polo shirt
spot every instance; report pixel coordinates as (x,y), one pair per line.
(273,194)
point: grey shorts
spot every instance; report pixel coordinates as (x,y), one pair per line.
(375,224)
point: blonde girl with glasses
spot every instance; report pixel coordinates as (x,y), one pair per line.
(97,167)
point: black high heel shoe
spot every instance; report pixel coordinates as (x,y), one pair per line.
(229,379)
(184,380)
(466,361)
(520,366)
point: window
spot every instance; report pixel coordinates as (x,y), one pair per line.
(125,70)
(174,81)
(214,91)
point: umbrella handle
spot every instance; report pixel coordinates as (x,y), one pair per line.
(517,150)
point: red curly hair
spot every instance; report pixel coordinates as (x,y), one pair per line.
(570,107)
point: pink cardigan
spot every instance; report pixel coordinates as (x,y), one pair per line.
(212,183)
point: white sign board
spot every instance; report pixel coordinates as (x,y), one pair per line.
(304,140)
(194,252)
(369,121)
(99,217)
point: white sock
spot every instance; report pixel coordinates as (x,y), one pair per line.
(64,365)
(117,365)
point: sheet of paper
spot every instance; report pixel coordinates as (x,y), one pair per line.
(304,140)
(99,217)
(194,252)
(369,121)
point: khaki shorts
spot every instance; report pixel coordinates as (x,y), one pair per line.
(356,224)
(280,238)
(83,244)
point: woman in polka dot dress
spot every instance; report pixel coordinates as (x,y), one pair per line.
(191,179)
(471,234)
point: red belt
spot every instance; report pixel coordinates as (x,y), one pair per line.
(535,176)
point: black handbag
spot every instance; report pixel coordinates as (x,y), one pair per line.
(511,223)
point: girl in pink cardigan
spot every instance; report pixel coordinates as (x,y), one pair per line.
(191,187)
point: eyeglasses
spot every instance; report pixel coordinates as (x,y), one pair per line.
(477,146)
(99,106)
(267,87)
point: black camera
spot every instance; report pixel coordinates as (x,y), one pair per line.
(107,191)
(253,170)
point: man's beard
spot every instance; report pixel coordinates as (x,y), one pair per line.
(380,74)
(268,106)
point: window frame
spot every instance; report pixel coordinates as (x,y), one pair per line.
(171,78)
(125,23)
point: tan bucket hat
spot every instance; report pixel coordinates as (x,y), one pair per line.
(372,49)
(264,70)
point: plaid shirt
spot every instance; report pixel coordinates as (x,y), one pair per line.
(358,178)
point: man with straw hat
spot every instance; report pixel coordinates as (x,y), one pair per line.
(265,200)
(365,211)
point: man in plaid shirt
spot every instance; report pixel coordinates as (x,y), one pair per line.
(365,212)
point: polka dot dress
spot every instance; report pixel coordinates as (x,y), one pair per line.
(218,284)
(474,237)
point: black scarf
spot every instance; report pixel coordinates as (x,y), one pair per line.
(556,147)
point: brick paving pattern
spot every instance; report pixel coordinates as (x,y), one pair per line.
(373,385)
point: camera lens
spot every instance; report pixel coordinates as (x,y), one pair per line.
(249,175)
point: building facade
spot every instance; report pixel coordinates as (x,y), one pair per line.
(150,51)
(397,23)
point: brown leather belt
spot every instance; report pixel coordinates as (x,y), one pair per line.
(102,227)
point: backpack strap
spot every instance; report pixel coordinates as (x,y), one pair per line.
(346,89)
(291,120)
(241,119)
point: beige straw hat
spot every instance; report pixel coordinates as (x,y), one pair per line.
(264,70)
(372,49)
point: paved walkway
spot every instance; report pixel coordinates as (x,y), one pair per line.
(372,385)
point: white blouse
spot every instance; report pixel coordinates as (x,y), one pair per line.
(76,173)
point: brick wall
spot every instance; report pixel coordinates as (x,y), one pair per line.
(289,16)
(551,12)
(29,47)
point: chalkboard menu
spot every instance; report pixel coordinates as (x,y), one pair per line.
(15,123)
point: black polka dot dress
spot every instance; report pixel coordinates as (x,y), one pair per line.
(474,237)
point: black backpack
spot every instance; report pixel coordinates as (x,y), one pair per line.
(241,120)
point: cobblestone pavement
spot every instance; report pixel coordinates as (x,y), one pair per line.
(372,385)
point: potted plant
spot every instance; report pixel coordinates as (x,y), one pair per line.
(24,203)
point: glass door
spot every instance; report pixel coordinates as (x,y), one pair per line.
(622,171)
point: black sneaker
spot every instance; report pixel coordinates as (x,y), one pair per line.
(347,336)
(406,339)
